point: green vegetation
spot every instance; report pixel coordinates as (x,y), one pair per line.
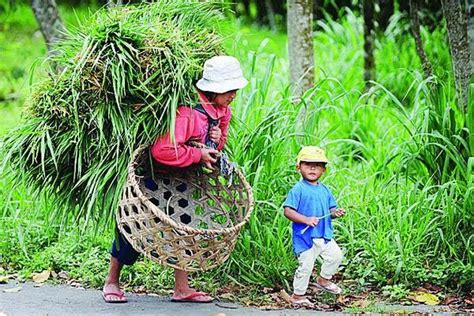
(402,165)
(122,73)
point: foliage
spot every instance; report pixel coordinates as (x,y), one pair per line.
(401,165)
(123,74)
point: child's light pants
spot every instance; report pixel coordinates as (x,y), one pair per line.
(331,255)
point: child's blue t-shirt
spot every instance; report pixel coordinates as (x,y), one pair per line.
(310,200)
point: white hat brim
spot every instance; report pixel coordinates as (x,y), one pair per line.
(221,86)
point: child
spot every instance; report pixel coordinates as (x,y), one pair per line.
(206,123)
(310,206)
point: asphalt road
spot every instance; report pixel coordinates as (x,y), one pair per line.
(28,299)
(66,300)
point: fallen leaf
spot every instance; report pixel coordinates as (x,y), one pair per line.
(343,300)
(361,303)
(140,289)
(54,274)
(13,289)
(63,275)
(432,288)
(423,297)
(324,307)
(469,300)
(41,277)
(267,290)
(227,296)
(285,296)
(4,278)
(275,297)
(450,300)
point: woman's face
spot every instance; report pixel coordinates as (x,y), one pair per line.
(224,99)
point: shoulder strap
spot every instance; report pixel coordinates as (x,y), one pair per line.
(212,122)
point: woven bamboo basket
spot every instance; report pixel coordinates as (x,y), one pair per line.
(188,219)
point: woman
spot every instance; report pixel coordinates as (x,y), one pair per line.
(222,77)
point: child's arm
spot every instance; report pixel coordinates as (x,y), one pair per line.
(337,212)
(296,217)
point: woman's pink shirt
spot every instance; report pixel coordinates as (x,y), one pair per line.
(190,125)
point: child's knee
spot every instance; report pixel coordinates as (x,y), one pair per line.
(336,256)
(303,270)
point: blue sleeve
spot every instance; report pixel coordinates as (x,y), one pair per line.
(293,198)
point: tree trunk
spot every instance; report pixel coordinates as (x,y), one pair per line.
(369,39)
(470,31)
(415,27)
(386,11)
(300,45)
(456,23)
(262,17)
(49,21)
(270,15)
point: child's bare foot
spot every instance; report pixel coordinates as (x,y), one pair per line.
(326,285)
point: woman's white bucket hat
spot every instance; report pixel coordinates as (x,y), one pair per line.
(221,74)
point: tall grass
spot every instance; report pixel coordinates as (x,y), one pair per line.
(401,163)
(123,74)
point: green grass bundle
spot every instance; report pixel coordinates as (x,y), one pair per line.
(123,74)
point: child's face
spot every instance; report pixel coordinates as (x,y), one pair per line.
(224,99)
(311,171)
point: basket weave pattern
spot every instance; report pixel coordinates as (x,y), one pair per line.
(188,218)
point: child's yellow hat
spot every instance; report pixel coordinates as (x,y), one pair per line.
(311,154)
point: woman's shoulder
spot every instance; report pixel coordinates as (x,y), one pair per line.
(184,110)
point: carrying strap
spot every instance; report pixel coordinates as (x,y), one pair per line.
(226,167)
(212,122)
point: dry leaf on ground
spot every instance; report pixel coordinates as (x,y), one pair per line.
(469,300)
(450,300)
(285,296)
(423,297)
(41,277)
(4,278)
(227,296)
(267,290)
(432,288)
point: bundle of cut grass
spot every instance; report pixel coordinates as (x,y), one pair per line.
(123,74)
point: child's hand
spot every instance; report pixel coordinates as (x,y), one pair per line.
(215,134)
(338,212)
(312,221)
(208,157)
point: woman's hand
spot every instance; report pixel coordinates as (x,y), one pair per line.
(208,157)
(215,134)
(338,212)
